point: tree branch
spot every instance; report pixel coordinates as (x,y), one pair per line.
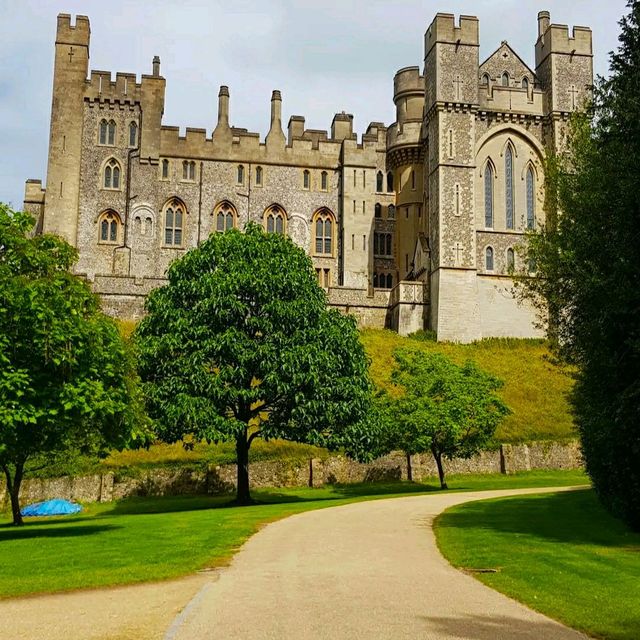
(255,434)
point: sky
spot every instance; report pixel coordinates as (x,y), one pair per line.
(325,56)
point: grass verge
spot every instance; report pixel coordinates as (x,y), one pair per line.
(560,554)
(139,540)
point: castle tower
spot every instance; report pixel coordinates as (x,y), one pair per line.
(405,157)
(65,140)
(564,66)
(451,102)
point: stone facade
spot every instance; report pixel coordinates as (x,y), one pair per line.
(411,226)
(296,473)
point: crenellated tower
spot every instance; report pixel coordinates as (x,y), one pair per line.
(65,139)
(451,103)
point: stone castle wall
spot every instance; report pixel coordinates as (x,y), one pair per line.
(286,473)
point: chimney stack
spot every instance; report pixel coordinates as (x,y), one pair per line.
(544,19)
(156,66)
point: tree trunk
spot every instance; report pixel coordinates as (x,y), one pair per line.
(438,458)
(13,487)
(243,497)
(409,469)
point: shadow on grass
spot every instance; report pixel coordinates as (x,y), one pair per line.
(492,627)
(576,517)
(33,531)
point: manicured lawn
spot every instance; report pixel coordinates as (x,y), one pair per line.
(561,554)
(139,540)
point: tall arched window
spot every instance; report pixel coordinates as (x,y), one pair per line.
(259,176)
(109,227)
(112,171)
(531,203)
(323,222)
(377,210)
(488,195)
(389,181)
(274,219)
(484,81)
(391,212)
(489,258)
(165,169)
(240,174)
(112,132)
(324,181)
(505,79)
(508,186)
(188,170)
(133,134)
(174,214)
(103,132)
(306,179)
(225,216)
(525,83)
(379,181)
(511,259)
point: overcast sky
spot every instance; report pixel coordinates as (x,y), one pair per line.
(324,55)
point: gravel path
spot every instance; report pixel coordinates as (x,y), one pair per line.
(369,570)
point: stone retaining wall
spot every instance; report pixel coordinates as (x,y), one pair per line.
(288,473)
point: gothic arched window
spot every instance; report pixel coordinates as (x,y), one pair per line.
(484,81)
(324,181)
(525,83)
(240,174)
(225,216)
(165,169)
(275,219)
(102,136)
(323,222)
(379,181)
(174,213)
(306,179)
(488,196)
(391,212)
(489,258)
(511,259)
(508,186)
(378,210)
(259,176)
(133,134)
(109,227)
(505,79)
(389,181)
(112,172)
(189,170)
(531,203)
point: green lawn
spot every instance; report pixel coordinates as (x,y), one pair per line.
(139,540)
(561,554)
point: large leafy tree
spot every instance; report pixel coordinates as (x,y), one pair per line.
(240,344)
(449,410)
(588,262)
(67,381)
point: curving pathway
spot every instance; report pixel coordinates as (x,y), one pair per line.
(369,570)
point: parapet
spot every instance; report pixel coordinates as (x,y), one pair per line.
(342,126)
(556,39)
(33,192)
(408,80)
(77,34)
(444,29)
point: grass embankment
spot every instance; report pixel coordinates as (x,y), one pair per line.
(561,554)
(535,388)
(140,540)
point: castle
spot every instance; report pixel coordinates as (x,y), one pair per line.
(412,226)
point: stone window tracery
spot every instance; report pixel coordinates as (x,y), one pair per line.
(391,212)
(111,174)
(240,174)
(107,132)
(531,203)
(225,216)
(133,134)
(323,223)
(188,170)
(488,195)
(174,215)
(508,186)
(382,244)
(109,227)
(275,219)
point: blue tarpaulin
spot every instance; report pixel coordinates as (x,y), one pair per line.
(51,508)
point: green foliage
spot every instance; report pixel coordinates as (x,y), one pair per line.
(240,344)
(450,410)
(67,379)
(561,554)
(588,260)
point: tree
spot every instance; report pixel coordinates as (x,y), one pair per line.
(67,381)
(588,266)
(444,408)
(240,344)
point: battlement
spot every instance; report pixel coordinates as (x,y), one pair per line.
(125,88)
(555,38)
(33,192)
(406,81)
(77,34)
(444,29)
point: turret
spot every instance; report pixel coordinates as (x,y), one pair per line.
(65,140)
